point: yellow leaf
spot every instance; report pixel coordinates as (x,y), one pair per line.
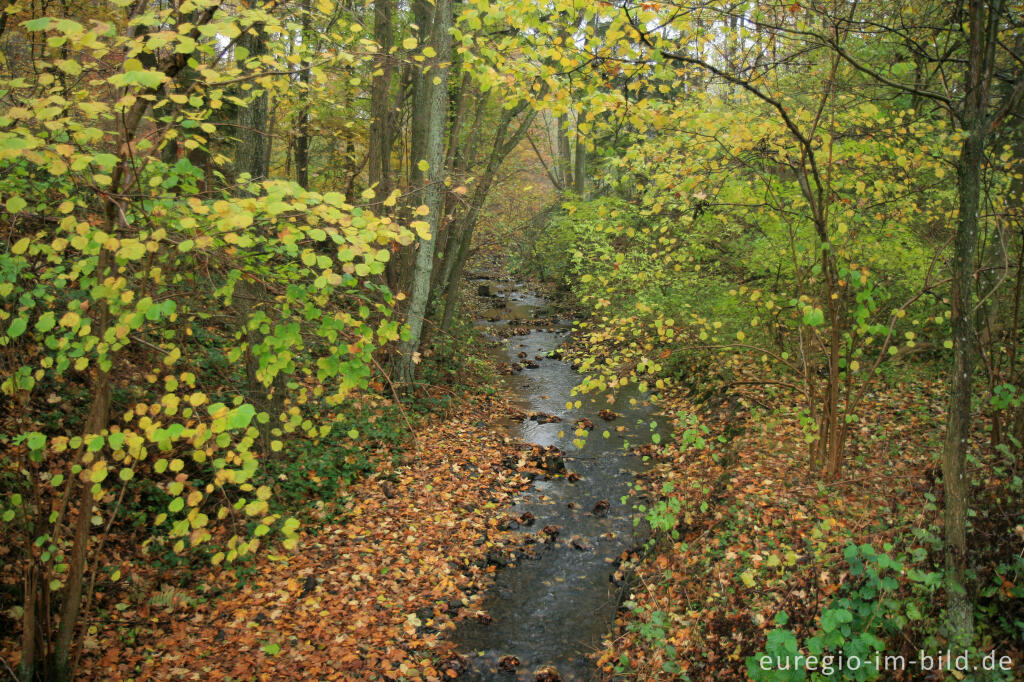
(422,229)
(409,43)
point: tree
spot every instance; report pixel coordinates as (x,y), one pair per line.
(118,264)
(978,109)
(430,113)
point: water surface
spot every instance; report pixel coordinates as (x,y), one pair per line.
(553,610)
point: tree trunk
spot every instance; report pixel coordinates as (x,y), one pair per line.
(958,429)
(579,176)
(983,20)
(95,423)
(379,163)
(251,148)
(400,268)
(435,84)
(27,667)
(447,245)
(564,164)
(302,132)
(250,157)
(501,148)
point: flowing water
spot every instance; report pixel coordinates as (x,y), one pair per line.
(553,610)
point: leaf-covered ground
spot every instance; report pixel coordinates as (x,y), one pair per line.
(760,533)
(369,596)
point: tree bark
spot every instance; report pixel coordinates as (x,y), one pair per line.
(251,148)
(976,125)
(564,164)
(379,163)
(27,666)
(958,427)
(579,179)
(435,84)
(302,133)
(96,422)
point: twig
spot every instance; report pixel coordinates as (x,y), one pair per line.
(398,402)
(7,665)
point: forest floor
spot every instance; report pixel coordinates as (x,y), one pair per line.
(762,540)
(369,595)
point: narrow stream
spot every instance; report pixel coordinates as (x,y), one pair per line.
(552,610)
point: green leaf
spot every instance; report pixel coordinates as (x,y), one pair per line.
(241,417)
(15,204)
(40,24)
(815,317)
(833,618)
(146,78)
(186,45)
(17,327)
(46,322)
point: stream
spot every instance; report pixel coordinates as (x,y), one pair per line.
(552,610)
